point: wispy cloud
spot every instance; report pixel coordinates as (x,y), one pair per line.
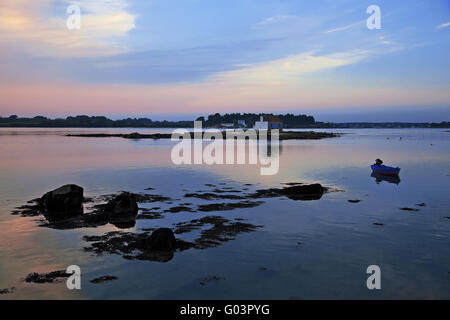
(275,19)
(103,24)
(384,41)
(346,27)
(444,25)
(337,29)
(291,67)
(100,6)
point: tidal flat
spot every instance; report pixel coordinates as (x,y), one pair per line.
(238,235)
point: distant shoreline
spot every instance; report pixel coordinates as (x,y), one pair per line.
(225,121)
(287,135)
(355,125)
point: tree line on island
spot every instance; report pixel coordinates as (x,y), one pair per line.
(212,121)
(289,120)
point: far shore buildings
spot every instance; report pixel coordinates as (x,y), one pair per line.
(268,122)
(242,124)
(238,124)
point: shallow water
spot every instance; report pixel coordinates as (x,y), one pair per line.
(338,239)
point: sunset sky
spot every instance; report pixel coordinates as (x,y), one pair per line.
(176,59)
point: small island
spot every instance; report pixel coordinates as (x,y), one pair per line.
(284,135)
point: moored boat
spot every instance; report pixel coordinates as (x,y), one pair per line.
(385,170)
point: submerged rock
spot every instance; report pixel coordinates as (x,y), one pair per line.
(209,279)
(65,200)
(212,196)
(228,206)
(180,208)
(423,204)
(409,209)
(161,245)
(7,290)
(47,277)
(103,279)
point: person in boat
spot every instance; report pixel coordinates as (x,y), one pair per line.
(378,162)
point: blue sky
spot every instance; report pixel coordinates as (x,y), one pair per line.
(182,58)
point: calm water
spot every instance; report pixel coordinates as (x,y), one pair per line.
(338,239)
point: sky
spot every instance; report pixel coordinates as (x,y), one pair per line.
(178,59)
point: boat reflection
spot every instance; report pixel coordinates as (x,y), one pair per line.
(379,178)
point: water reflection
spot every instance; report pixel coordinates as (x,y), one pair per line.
(379,178)
(309,249)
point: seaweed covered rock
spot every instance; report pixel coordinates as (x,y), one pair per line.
(304,191)
(295,192)
(161,239)
(67,199)
(122,206)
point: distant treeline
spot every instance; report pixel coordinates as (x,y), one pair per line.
(356,125)
(211,121)
(289,120)
(90,122)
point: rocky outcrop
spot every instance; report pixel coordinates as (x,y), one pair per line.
(161,239)
(303,189)
(123,206)
(47,277)
(67,199)
(103,279)
(296,192)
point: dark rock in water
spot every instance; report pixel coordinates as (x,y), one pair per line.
(123,223)
(222,230)
(46,277)
(149,214)
(29,210)
(120,210)
(123,205)
(300,190)
(103,279)
(161,239)
(179,209)
(211,196)
(378,224)
(409,209)
(423,204)
(132,246)
(354,201)
(228,206)
(161,245)
(148,198)
(7,290)
(209,279)
(65,200)
(296,192)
